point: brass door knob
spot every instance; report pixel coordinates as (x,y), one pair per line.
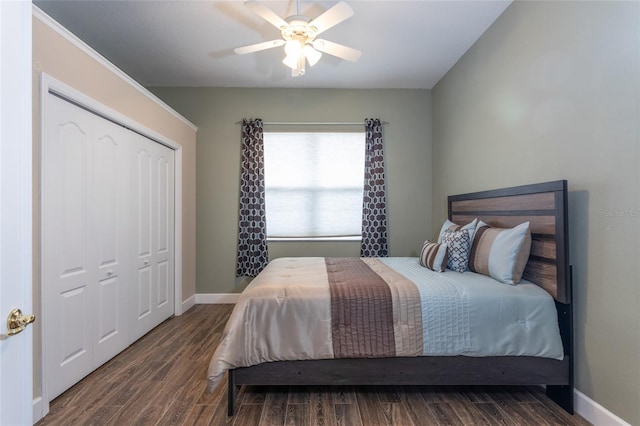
(16,322)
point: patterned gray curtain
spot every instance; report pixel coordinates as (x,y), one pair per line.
(252,225)
(374,203)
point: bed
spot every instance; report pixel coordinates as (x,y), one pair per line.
(310,357)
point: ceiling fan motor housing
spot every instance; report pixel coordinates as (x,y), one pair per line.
(299,26)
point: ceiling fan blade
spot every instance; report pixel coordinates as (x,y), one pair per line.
(258,46)
(338,50)
(333,16)
(267,14)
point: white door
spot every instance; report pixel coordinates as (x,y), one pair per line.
(16,378)
(153,208)
(107,238)
(111,177)
(67,258)
(85,215)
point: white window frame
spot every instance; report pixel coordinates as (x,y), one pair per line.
(359,172)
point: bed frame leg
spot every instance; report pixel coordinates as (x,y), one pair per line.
(231,390)
(561,395)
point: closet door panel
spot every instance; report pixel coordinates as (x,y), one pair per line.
(111,179)
(153,202)
(67,233)
(109,323)
(143,294)
(163,285)
(142,202)
(164,231)
(106,202)
(164,200)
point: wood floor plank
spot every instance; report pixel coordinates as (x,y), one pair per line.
(322,411)
(433,394)
(387,394)
(220,417)
(474,393)
(248,415)
(347,415)
(509,405)
(445,414)
(131,409)
(253,395)
(299,395)
(344,395)
(372,411)
(468,413)
(492,413)
(396,414)
(150,415)
(416,406)
(532,411)
(275,406)
(161,379)
(298,415)
(201,415)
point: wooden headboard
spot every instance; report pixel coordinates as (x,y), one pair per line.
(544,205)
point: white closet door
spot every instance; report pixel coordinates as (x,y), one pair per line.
(112,165)
(153,203)
(68,227)
(108,238)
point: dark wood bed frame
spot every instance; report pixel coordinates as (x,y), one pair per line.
(545,207)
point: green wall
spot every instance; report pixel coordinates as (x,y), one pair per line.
(552,91)
(217,111)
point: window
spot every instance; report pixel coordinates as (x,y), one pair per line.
(314,184)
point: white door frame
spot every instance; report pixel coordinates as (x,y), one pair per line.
(48,85)
(16,204)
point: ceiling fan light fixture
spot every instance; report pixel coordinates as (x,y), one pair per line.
(293,48)
(299,71)
(299,36)
(312,55)
(291,61)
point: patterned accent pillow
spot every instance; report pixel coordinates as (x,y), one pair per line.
(434,256)
(471,226)
(501,253)
(457,248)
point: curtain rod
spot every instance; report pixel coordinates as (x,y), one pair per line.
(322,123)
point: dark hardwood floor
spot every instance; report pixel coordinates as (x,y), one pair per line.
(161,380)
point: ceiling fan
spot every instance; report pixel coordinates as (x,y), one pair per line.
(299,36)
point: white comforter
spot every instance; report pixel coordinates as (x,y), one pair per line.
(285,314)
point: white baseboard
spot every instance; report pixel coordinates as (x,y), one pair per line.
(216,298)
(38,409)
(189,303)
(594,412)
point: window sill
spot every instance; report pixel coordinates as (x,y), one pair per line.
(312,239)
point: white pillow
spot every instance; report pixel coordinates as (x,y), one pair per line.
(471,227)
(500,253)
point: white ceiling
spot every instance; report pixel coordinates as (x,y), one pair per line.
(404,44)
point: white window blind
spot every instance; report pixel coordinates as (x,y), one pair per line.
(314,184)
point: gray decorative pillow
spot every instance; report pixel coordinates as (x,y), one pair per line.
(457,249)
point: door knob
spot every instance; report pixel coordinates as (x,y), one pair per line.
(16,322)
